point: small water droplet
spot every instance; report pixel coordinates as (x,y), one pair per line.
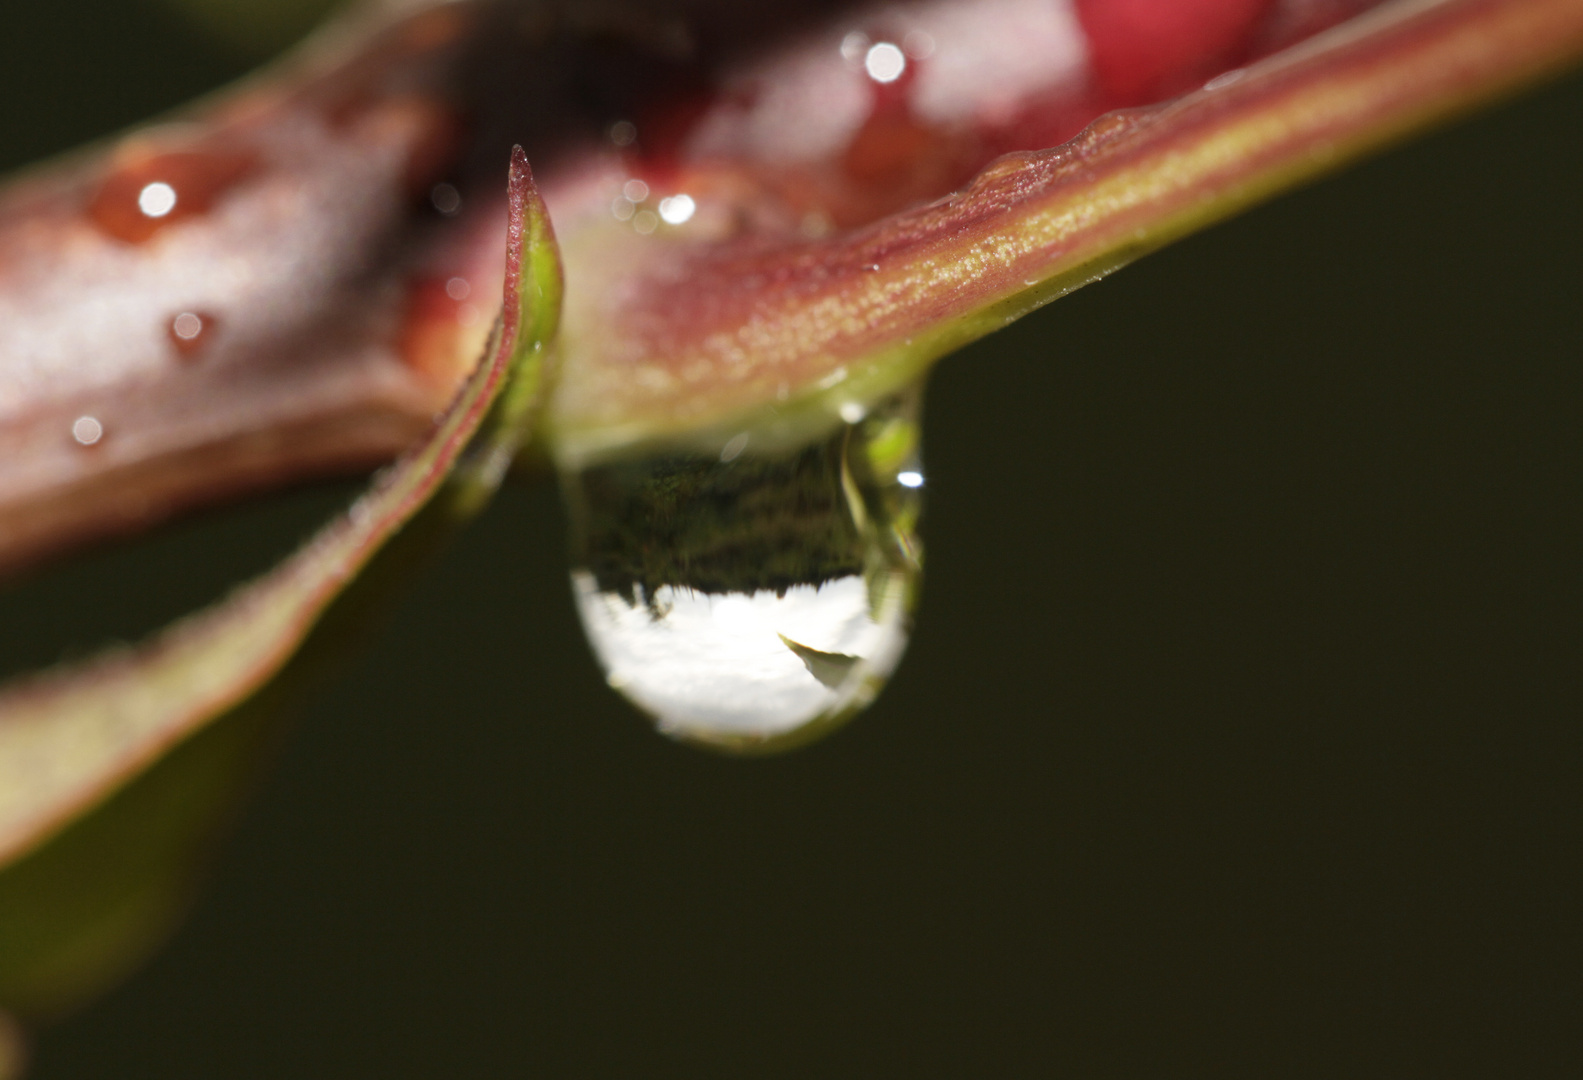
(446,199)
(87,430)
(150,191)
(753,598)
(623,133)
(645,221)
(190,332)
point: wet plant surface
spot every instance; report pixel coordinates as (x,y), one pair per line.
(1238,735)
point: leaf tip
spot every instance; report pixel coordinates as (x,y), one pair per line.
(521,171)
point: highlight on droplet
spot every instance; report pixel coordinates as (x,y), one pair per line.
(677,209)
(87,430)
(885,62)
(187,326)
(157,199)
(190,332)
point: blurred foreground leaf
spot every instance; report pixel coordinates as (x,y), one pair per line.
(254,26)
(12,1057)
(95,866)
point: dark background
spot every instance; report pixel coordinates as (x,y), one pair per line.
(1240,735)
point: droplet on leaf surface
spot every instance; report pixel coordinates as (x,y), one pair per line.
(151,191)
(753,601)
(190,332)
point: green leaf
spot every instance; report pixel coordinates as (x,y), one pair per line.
(94,867)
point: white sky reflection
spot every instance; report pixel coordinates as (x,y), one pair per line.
(716,664)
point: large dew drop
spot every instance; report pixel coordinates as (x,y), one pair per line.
(753,598)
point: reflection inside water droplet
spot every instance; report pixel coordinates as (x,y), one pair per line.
(752,598)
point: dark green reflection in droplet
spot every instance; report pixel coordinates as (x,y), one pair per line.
(753,597)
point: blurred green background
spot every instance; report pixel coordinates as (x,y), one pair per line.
(1240,735)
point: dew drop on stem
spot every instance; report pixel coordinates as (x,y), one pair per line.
(748,595)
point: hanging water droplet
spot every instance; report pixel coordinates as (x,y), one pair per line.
(747,595)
